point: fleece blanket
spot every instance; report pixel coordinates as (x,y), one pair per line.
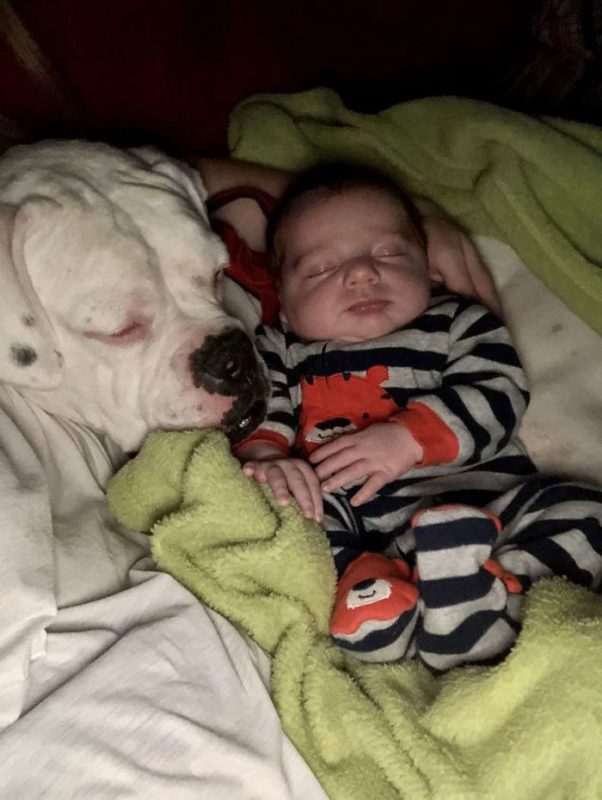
(530,728)
(535,184)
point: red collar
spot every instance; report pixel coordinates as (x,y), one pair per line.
(249,268)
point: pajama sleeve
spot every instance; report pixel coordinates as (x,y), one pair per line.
(279,426)
(482,395)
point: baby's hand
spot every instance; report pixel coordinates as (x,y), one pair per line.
(379,454)
(453,260)
(290,478)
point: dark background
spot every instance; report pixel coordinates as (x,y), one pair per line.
(168,72)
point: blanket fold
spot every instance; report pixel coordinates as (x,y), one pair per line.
(529,728)
(534,183)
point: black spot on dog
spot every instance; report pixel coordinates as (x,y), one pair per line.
(23,355)
(28,320)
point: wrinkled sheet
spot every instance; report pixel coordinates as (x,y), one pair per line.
(114,680)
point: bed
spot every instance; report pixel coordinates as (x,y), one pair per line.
(116,680)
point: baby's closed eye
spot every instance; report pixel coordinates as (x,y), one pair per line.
(316,270)
(390,253)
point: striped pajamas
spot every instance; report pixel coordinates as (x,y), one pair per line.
(474,520)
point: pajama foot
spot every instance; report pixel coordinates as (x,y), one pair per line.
(465,592)
(375,609)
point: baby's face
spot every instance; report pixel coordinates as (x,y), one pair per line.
(353,268)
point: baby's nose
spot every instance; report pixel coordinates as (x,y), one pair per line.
(361,270)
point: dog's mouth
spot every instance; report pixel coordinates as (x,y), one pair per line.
(226,364)
(240,424)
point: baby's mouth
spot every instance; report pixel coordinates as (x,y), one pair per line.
(369,306)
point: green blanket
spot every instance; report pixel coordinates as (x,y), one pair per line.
(533,183)
(530,728)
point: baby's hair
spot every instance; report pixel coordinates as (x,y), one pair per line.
(337,177)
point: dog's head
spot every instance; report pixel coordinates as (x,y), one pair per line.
(110,301)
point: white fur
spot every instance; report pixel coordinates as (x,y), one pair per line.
(93,240)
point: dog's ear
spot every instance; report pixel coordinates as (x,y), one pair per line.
(29,355)
(181,175)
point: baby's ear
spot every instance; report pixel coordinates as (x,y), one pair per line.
(434,272)
(435,275)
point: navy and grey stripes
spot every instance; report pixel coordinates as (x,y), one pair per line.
(457,358)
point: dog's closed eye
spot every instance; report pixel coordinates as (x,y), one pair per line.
(127,330)
(131,332)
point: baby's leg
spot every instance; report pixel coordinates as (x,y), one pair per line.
(342,531)
(551,528)
(470,604)
(546,528)
(375,609)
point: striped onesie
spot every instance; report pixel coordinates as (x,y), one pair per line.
(474,524)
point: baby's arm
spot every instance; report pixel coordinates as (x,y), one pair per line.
(453,258)
(265,454)
(467,419)
(481,397)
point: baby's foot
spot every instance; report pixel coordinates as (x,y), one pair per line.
(465,593)
(375,609)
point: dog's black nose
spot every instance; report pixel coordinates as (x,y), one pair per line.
(223,362)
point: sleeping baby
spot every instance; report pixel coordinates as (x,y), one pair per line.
(393,421)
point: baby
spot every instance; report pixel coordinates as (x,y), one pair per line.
(393,421)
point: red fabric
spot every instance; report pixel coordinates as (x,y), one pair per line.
(439,443)
(350,613)
(265,437)
(360,401)
(249,268)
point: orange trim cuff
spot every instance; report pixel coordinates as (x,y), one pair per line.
(264,437)
(439,443)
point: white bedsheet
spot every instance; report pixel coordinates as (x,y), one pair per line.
(114,681)
(562,357)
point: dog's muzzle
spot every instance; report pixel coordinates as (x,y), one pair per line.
(227,364)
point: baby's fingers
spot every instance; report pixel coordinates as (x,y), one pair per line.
(374,483)
(351,473)
(315,493)
(332,448)
(304,493)
(278,483)
(254,471)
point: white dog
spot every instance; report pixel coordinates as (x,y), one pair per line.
(111,319)
(110,310)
